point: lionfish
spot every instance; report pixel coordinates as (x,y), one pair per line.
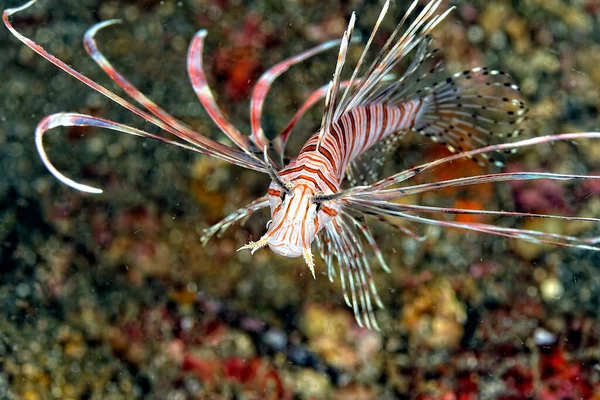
(325,194)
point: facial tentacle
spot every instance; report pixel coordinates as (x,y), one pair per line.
(308,257)
(253,246)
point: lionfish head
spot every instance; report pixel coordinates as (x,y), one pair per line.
(296,219)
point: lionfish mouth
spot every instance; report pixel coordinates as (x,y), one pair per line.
(306,252)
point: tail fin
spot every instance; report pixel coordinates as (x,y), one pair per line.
(470,109)
(466,110)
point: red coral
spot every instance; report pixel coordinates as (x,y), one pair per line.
(205,370)
(241,370)
(519,382)
(253,375)
(239,62)
(562,379)
(467,386)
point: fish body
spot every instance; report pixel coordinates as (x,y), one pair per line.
(321,169)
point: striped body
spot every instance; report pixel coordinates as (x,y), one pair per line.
(320,169)
(351,135)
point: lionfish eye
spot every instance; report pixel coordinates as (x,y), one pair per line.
(319,206)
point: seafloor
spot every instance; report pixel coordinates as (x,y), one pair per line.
(112,296)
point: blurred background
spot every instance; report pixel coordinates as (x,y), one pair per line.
(112,296)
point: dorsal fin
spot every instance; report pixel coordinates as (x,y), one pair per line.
(334,86)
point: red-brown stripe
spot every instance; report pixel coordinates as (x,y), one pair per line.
(310,179)
(368,122)
(327,155)
(308,148)
(385,120)
(314,159)
(342,134)
(335,134)
(352,128)
(292,170)
(311,170)
(329,211)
